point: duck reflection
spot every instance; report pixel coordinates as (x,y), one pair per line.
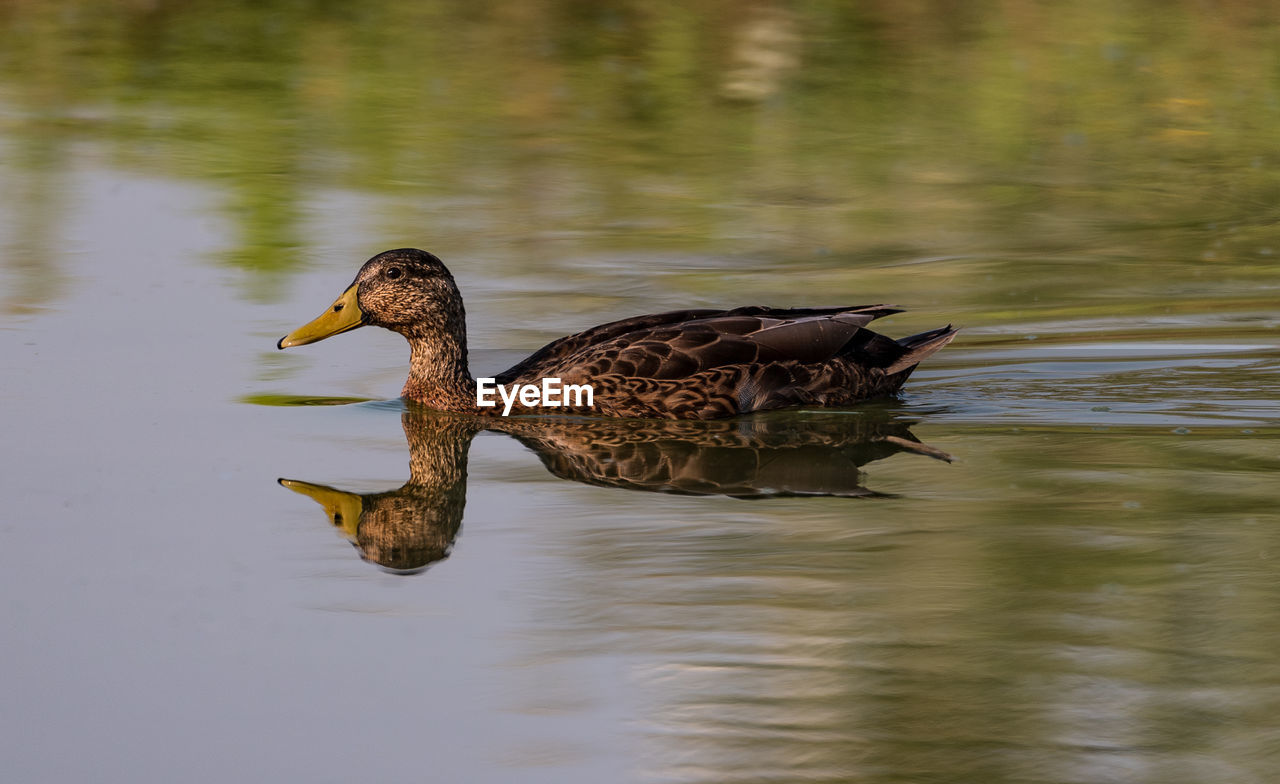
(755,457)
(769,456)
(406,530)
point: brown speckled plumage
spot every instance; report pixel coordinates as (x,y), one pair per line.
(686,364)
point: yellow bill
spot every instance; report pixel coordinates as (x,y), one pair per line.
(342,316)
(343,508)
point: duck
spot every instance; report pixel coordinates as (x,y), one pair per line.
(697,363)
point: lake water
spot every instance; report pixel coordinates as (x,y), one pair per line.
(1056,558)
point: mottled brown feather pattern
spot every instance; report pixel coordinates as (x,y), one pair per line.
(725,365)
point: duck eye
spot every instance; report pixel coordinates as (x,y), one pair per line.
(394,272)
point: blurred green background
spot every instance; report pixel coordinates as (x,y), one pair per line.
(835,135)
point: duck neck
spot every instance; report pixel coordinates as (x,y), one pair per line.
(438,373)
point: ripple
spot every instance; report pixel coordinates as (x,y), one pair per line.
(1181,384)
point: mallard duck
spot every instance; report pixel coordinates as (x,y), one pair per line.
(684,364)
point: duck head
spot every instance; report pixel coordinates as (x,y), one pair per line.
(407,290)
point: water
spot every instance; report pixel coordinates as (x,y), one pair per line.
(1053,559)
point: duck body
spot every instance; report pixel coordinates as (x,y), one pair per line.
(684,364)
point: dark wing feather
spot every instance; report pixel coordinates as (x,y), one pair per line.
(916,347)
(680,343)
(809,339)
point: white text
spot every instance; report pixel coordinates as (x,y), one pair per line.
(550,393)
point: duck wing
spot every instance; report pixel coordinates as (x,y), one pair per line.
(681,343)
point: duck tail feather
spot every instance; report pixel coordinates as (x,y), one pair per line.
(920,346)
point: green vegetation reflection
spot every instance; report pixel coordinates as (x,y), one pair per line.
(816,134)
